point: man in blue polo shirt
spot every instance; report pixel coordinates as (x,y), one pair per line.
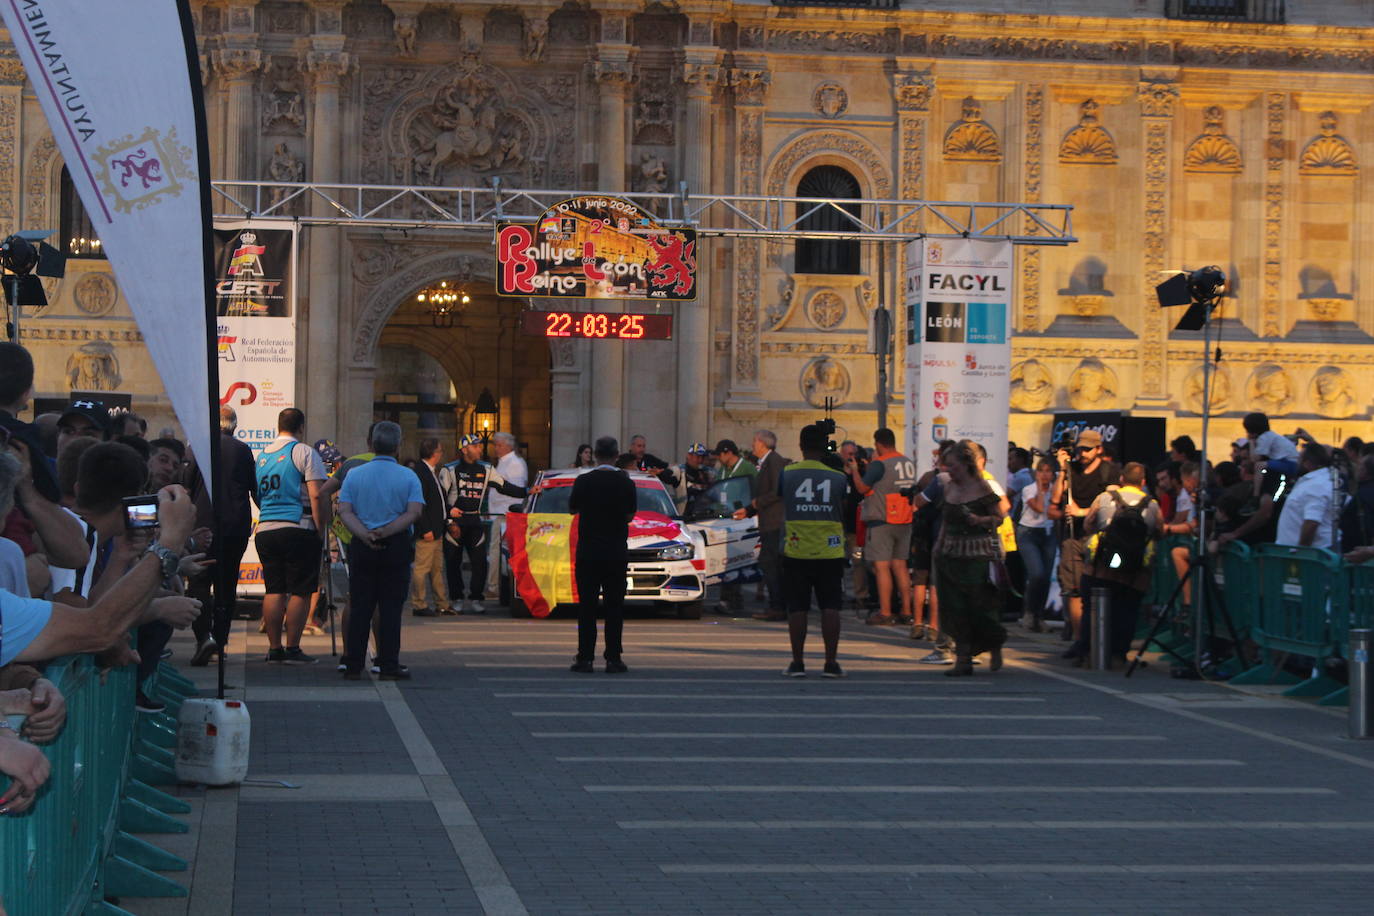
(379,502)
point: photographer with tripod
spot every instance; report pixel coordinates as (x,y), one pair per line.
(1085,475)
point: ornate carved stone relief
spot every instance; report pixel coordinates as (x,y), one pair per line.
(654,108)
(373,263)
(535,38)
(11,69)
(1220,394)
(826,309)
(781,169)
(1328,154)
(40,181)
(1093,386)
(283,106)
(400,280)
(1327,308)
(1030,255)
(9,136)
(823,378)
(1032,386)
(651,174)
(826,40)
(1157,99)
(94,367)
(775,314)
(912,89)
(1089,143)
(95,293)
(1332,391)
(829,100)
(1269,389)
(971,139)
(284,166)
(1213,151)
(1275,111)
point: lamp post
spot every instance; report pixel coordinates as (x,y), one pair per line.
(484,416)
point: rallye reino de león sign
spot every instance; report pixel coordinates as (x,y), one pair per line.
(596,247)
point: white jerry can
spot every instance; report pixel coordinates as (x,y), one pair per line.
(212,741)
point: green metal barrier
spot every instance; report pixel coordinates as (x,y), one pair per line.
(1300,590)
(1239,587)
(1358,613)
(70,851)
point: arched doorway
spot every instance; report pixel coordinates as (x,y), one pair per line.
(431,370)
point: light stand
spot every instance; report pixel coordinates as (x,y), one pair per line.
(25,257)
(1201,291)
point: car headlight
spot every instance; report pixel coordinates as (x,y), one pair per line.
(676,552)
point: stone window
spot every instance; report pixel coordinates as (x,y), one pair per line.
(78,236)
(827,256)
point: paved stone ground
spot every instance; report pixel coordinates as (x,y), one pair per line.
(703,782)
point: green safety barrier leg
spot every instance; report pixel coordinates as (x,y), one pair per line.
(128,879)
(136,817)
(141,852)
(1265,674)
(155,732)
(152,772)
(155,798)
(1338,698)
(105,908)
(170,679)
(1318,686)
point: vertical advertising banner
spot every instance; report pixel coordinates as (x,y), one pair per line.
(957,295)
(255,308)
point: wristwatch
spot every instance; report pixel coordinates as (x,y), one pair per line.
(169,559)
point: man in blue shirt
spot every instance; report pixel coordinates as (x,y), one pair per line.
(379,502)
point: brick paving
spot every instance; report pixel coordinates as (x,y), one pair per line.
(703,782)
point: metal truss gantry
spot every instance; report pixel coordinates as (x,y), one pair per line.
(476,209)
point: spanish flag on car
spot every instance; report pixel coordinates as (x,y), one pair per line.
(543,548)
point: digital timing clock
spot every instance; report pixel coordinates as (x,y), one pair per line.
(598,325)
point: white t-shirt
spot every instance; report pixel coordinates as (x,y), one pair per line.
(79,585)
(1029,517)
(1184,503)
(1270,445)
(14,575)
(513,470)
(1310,500)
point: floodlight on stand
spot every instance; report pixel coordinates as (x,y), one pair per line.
(25,257)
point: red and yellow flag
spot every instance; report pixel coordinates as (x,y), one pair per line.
(543,550)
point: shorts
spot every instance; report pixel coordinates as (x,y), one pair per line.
(802,577)
(1073,560)
(888,542)
(290,561)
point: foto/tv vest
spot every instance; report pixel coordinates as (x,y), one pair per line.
(279,485)
(812,499)
(886,503)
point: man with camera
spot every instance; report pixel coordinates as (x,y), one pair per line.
(1088,474)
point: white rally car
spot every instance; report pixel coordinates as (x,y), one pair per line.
(672,558)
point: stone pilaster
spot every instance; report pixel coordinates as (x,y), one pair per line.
(11,140)
(1158,95)
(1275,160)
(1030,320)
(700,73)
(749,81)
(612,72)
(238,68)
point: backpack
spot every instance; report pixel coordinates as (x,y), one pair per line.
(1124,542)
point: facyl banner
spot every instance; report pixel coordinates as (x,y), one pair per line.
(116,83)
(957,295)
(255,305)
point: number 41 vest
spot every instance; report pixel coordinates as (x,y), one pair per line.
(812,497)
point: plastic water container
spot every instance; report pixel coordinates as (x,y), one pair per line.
(212,741)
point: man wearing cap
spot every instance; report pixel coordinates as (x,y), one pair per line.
(694,475)
(1089,475)
(731,462)
(80,418)
(465,483)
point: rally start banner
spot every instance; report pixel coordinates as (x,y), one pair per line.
(255,308)
(957,295)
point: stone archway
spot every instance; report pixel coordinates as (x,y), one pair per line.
(483,350)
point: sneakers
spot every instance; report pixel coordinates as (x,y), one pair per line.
(832,669)
(476,606)
(796,669)
(937,657)
(879,619)
(276,655)
(204,652)
(581,668)
(616,666)
(401,673)
(423,612)
(377,669)
(295,656)
(451,610)
(145,703)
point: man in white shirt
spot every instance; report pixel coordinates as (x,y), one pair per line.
(1309,513)
(512,469)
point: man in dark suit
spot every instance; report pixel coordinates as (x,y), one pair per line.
(429,537)
(767,506)
(604,502)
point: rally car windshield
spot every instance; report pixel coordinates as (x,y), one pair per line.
(648,499)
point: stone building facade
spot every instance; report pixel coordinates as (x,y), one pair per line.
(1179,142)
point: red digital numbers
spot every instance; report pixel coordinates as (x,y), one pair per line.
(598,325)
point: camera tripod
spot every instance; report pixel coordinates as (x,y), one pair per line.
(327,592)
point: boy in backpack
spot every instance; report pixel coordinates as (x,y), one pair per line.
(1126,521)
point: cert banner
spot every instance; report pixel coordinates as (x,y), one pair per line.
(957,295)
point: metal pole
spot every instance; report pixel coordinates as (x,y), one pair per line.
(884,332)
(1100,654)
(1199,583)
(1361,687)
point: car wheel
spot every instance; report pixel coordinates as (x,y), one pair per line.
(689,610)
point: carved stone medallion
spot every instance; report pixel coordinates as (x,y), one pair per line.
(1032,386)
(95,293)
(830,100)
(1092,386)
(1220,393)
(94,367)
(823,378)
(1333,392)
(1269,389)
(826,309)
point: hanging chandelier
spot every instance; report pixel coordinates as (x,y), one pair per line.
(444,303)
